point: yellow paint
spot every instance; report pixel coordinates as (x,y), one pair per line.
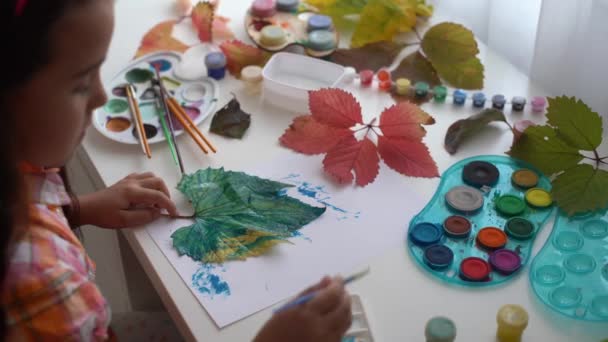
(403,86)
(512,320)
(538,197)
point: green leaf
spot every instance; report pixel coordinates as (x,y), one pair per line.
(463,129)
(575,122)
(383,19)
(581,189)
(467,74)
(416,68)
(448,43)
(237,215)
(231,121)
(543,148)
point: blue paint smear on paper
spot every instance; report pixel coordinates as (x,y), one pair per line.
(207,281)
(319,195)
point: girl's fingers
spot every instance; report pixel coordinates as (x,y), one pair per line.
(328,299)
(325,281)
(340,319)
(155,183)
(138,217)
(139,195)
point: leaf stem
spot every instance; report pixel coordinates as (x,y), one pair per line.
(417,34)
(597,158)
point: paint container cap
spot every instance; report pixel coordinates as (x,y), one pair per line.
(321,40)
(438,256)
(350,74)
(491,238)
(512,316)
(538,104)
(518,101)
(403,86)
(440,329)
(457,226)
(421,88)
(459,95)
(272,35)
(252,74)
(366,77)
(524,178)
(425,234)
(539,198)
(215,60)
(474,269)
(439,93)
(498,101)
(464,199)
(505,261)
(288,5)
(480,173)
(319,22)
(519,228)
(263,8)
(479,97)
(510,205)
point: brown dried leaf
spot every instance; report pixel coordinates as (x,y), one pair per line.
(372,56)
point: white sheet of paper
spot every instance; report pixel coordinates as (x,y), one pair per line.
(359,224)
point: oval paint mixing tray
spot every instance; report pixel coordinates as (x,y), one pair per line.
(273,26)
(570,273)
(115,120)
(479,227)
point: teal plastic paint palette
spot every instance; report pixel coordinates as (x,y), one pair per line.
(478,229)
(115,121)
(570,273)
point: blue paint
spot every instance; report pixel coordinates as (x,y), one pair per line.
(216,65)
(207,282)
(161,64)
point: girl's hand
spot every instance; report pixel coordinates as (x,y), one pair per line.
(133,201)
(325,318)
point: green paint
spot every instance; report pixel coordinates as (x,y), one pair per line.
(170,83)
(510,205)
(116,106)
(139,76)
(237,215)
(149,111)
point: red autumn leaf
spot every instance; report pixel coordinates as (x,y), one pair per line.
(306,135)
(240,55)
(407,157)
(404,120)
(352,155)
(159,38)
(220,30)
(202,19)
(334,107)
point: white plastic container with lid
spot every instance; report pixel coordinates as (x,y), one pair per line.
(288,77)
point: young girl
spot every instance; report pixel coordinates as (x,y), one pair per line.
(49,86)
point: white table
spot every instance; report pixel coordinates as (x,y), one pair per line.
(399,297)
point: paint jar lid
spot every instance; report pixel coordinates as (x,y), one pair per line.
(518,100)
(287,5)
(499,99)
(539,198)
(460,94)
(510,205)
(524,178)
(464,199)
(474,269)
(425,234)
(263,8)
(492,238)
(505,261)
(457,226)
(440,329)
(421,88)
(438,256)
(519,228)
(512,316)
(321,40)
(215,60)
(319,22)
(480,173)
(251,73)
(479,97)
(272,35)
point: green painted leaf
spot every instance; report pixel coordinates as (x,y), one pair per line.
(237,215)
(581,189)
(231,121)
(447,43)
(543,148)
(575,122)
(465,128)
(467,74)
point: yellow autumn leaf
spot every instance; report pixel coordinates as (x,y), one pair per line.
(383,19)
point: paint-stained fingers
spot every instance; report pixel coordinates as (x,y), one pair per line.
(152,198)
(138,217)
(155,183)
(328,299)
(323,283)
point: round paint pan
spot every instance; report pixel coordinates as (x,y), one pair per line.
(480,173)
(491,238)
(116,106)
(505,261)
(519,228)
(464,199)
(425,234)
(474,269)
(150,130)
(117,125)
(510,205)
(539,198)
(457,227)
(438,257)
(194,92)
(524,178)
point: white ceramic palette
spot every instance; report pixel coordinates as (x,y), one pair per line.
(115,121)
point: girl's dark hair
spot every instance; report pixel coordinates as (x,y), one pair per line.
(27,49)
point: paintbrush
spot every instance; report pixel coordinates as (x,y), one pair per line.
(167,116)
(166,132)
(308,297)
(139,125)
